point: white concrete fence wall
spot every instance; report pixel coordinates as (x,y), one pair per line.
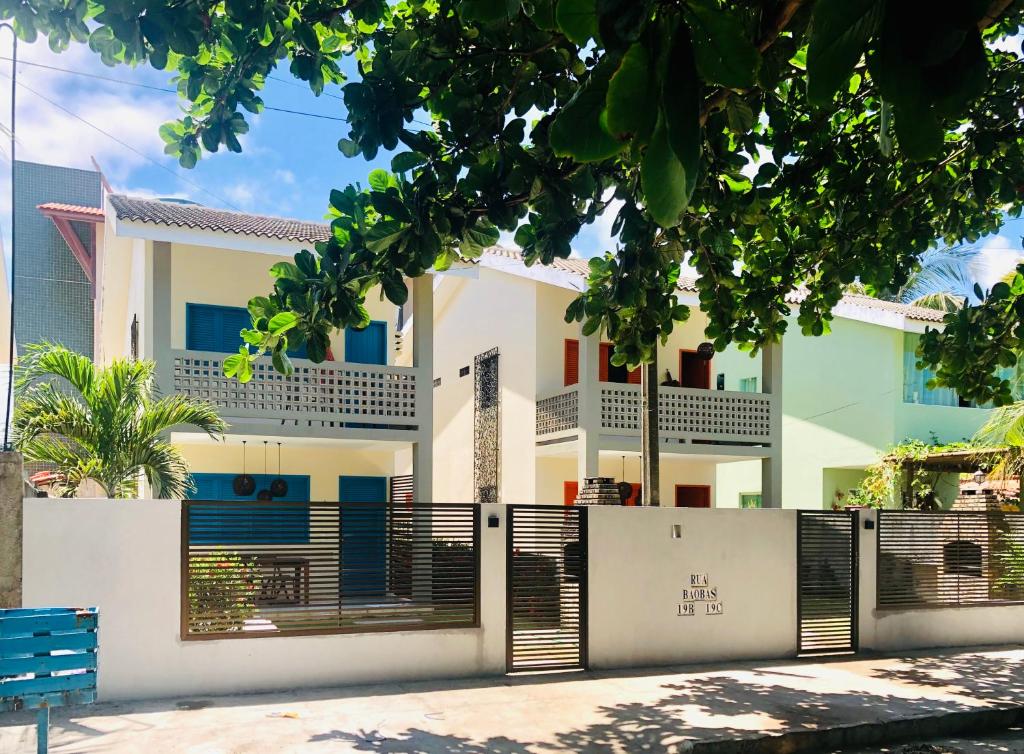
(124,557)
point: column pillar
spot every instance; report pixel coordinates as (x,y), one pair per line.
(771,466)
(12,494)
(589,406)
(423,361)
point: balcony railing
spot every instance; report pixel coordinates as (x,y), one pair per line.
(329,395)
(683,413)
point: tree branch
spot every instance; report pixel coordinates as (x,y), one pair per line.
(994,12)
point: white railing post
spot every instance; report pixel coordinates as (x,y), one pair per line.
(771,466)
(589,408)
(423,362)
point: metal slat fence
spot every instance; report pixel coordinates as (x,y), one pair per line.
(950,559)
(251,569)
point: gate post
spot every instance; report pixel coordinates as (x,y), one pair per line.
(12,505)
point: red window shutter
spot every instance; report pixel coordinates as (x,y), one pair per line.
(572,361)
(602,362)
(569,492)
(633,378)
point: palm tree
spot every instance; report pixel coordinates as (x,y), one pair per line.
(943,280)
(103,424)
(1005,429)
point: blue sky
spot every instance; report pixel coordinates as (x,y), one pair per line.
(289,162)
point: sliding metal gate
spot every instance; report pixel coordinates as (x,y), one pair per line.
(547,588)
(826,582)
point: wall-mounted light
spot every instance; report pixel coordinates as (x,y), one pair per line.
(979,477)
(493,521)
(677,531)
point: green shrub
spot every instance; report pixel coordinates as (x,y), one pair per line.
(222,589)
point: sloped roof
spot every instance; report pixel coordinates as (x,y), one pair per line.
(199,217)
(75,209)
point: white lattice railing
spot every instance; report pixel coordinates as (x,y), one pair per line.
(331,394)
(684,413)
(558,413)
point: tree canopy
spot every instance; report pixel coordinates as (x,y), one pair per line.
(782,144)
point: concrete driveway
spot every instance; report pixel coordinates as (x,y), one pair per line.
(657,711)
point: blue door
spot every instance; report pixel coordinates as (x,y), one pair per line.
(209,327)
(363,536)
(241,524)
(369,345)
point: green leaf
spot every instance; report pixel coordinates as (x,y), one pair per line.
(348,147)
(238,365)
(840,31)
(478,238)
(286,270)
(663,179)
(578,130)
(282,363)
(379,179)
(681,101)
(631,92)
(406,161)
(382,235)
(577,19)
(724,53)
(395,289)
(282,322)
(918,132)
(488,11)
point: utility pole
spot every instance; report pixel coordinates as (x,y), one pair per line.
(650,459)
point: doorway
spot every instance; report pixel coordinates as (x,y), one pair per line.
(693,496)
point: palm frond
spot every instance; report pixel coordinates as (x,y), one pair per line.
(42,360)
(176,410)
(943,279)
(165,469)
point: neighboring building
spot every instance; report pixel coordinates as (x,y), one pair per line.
(846,398)
(53,253)
(527,407)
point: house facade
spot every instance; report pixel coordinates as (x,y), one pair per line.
(498,399)
(175,279)
(550,410)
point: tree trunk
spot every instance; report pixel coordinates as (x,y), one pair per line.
(650,460)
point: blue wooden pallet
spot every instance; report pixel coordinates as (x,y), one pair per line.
(47,659)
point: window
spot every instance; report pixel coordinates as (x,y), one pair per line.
(693,496)
(748,384)
(915,381)
(962,557)
(571,365)
(750,500)
(251,525)
(209,327)
(694,371)
(369,345)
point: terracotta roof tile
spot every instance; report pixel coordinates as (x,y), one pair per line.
(198,217)
(71,208)
(186,215)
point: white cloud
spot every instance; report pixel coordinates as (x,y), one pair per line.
(286,177)
(241,194)
(996,258)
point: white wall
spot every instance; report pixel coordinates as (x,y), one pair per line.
(638,572)
(895,630)
(123,557)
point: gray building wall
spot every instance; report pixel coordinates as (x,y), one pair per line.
(53,298)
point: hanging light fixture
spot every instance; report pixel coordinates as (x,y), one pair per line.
(243,484)
(264,494)
(279,485)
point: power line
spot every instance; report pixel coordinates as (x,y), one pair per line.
(165,90)
(124,144)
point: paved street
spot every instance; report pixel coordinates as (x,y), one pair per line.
(666,710)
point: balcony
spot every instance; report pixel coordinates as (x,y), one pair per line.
(684,414)
(326,396)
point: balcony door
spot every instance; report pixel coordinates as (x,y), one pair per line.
(694,371)
(369,345)
(363,531)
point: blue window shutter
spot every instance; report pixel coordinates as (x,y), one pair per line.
(364,536)
(240,524)
(369,345)
(363,489)
(209,327)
